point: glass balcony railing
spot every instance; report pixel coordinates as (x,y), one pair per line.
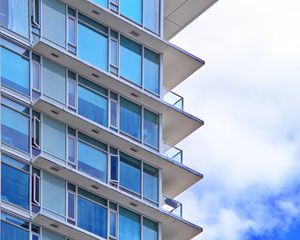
(174,99)
(173,153)
(172,206)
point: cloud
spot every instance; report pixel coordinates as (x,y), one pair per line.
(248,95)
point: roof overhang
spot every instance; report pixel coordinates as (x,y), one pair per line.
(171,223)
(172,116)
(176,177)
(180,13)
(178,64)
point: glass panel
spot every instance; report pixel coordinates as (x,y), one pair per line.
(54,21)
(130,173)
(92,217)
(151,17)
(15,186)
(48,235)
(17,80)
(71,30)
(12,232)
(131,52)
(14,16)
(113,114)
(92,106)
(92,46)
(129,225)
(102,3)
(71,205)
(71,93)
(150,229)
(114,162)
(36,76)
(113,224)
(92,161)
(114,52)
(130,118)
(71,149)
(151,71)
(150,186)
(132,9)
(151,128)
(15,129)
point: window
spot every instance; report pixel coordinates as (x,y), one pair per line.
(129,225)
(151,15)
(72,30)
(15,182)
(91,103)
(36,76)
(36,124)
(15,125)
(92,215)
(113,224)
(150,183)
(35,13)
(151,71)
(151,129)
(102,3)
(72,150)
(131,52)
(114,5)
(72,90)
(92,161)
(114,170)
(35,190)
(92,42)
(13,228)
(130,174)
(114,111)
(16,80)
(150,229)
(132,10)
(14,16)
(71,203)
(130,118)
(114,52)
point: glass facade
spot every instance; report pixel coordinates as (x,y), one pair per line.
(13,228)
(129,227)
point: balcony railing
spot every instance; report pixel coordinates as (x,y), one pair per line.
(172,206)
(174,99)
(173,153)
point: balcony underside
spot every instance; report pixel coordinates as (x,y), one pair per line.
(172,116)
(180,13)
(178,64)
(176,177)
(170,222)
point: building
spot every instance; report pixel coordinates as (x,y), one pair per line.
(88,119)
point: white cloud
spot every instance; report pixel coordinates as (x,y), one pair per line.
(248,96)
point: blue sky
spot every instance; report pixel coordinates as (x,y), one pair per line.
(248,94)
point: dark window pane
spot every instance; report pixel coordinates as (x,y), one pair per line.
(151,71)
(71,205)
(92,217)
(92,106)
(150,230)
(150,179)
(151,17)
(130,118)
(15,186)
(16,80)
(92,46)
(130,173)
(151,128)
(14,129)
(114,168)
(113,224)
(129,225)
(92,161)
(132,9)
(131,60)
(113,114)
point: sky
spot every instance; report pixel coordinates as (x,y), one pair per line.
(248,94)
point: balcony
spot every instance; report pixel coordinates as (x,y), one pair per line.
(173,153)
(172,206)
(174,99)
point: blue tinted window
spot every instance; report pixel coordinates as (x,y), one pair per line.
(92,161)
(92,46)
(17,80)
(11,232)
(14,16)
(150,229)
(130,173)
(92,217)
(92,105)
(102,3)
(113,224)
(131,61)
(14,129)
(151,17)
(129,225)
(132,9)
(130,118)
(151,71)
(150,186)
(151,128)
(15,186)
